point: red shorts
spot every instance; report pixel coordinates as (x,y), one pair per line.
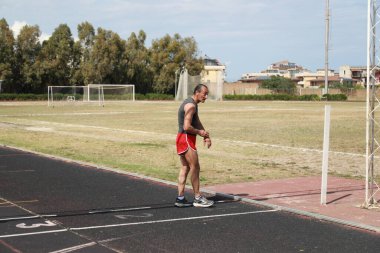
(184,142)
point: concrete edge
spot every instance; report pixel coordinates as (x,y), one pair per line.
(229,196)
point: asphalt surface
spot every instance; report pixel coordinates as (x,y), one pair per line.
(49,205)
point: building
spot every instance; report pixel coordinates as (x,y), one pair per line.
(282,68)
(308,79)
(213,71)
(358,73)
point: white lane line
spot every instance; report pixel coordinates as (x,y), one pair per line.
(20,218)
(119,210)
(71,249)
(89,212)
(34,233)
(171,220)
(138,223)
(29,217)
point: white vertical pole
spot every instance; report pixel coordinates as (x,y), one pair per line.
(186,84)
(48,95)
(88,93)
(133,90)
(325,160)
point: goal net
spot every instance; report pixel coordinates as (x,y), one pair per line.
(187,83)
(65,94)
(109,92)
(92,93)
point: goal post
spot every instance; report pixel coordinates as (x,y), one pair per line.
(65,94)
(109,92)
(92,93)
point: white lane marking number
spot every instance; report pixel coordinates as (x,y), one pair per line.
(46,224)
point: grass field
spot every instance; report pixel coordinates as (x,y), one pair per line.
(251,140)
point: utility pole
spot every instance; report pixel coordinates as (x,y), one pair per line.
(327,34)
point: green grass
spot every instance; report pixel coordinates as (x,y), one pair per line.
(252,140)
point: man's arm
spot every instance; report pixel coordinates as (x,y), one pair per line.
(198,129)
(189,114)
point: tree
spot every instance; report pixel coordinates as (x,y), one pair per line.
(27,49)
(82,53)
(56,58)
(279,84)
(139,71)
(167,55)
(107,63)
(7,58)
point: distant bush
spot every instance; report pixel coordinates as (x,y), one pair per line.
(22,97)
(312,97)
(59,96)
(285,97)
(154,96)
(335,97)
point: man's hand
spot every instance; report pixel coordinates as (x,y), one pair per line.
(204,134)
(207,142)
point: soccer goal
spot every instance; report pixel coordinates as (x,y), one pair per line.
(65,94)
(109,92)
(187,83)
(92,93)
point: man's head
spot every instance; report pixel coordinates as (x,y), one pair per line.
(200,93)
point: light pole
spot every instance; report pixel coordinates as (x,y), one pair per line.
(327,34)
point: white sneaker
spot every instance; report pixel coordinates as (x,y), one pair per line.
(202,202)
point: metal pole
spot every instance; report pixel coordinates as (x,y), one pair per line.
(327,33)
(367,100)
(371,142)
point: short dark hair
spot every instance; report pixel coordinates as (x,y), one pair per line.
(198,88)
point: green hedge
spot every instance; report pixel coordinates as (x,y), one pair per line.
(314,97)
(22,97)
(58,96)
(335,97)
(154,96)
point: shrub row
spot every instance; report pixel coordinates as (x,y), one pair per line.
(335,97)
(22,97)
(58,96)
(313,97)
(153,96)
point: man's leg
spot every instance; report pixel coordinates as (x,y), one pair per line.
(181,201)
(191,158)
(184,171)
(193,162)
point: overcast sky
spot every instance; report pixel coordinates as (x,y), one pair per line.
(245,35)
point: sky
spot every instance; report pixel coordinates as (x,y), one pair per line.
(245,35)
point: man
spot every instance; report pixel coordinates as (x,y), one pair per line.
(189,127)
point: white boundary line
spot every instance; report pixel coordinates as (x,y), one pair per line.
(137,223)
(74,248)
(42,216)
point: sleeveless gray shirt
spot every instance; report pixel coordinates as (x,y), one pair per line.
(181,115)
